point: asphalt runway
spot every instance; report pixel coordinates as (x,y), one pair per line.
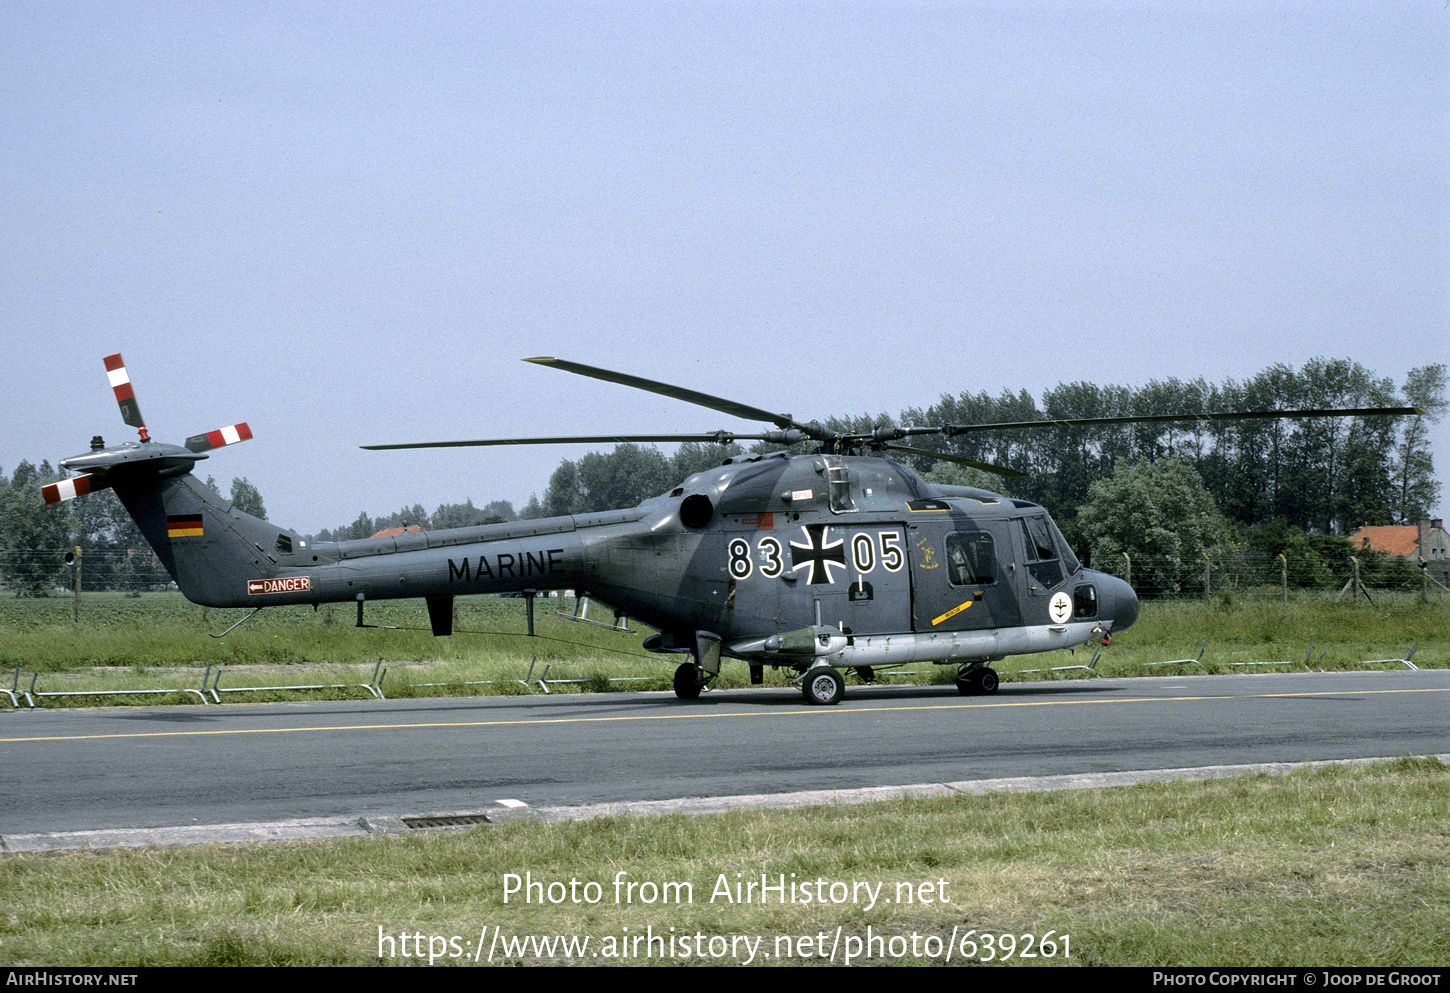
(156,767)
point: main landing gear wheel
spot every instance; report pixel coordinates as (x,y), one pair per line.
(823,685)
(687,681)
(977,682)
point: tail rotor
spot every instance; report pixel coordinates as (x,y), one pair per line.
(101,465)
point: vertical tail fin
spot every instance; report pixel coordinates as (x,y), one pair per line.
(211,549)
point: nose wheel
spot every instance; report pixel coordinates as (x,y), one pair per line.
(823,685)
(687,681)
(977,681)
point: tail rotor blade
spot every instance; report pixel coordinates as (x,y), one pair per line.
(68,489)
(230,435)
(125,395)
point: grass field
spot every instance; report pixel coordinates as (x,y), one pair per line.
(160,640)
(1332,867)
(1336,866)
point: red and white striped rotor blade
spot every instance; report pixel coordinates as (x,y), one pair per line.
(125,395)
(66,489)
(228,435)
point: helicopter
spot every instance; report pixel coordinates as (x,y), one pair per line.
(837,559)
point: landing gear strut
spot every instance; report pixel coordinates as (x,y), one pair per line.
(977,681)
(692,677)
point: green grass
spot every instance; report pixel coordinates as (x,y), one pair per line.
(160,640)
(1343,634)
(1335,866)
(163,629)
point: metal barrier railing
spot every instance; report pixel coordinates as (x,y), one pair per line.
(211,685)
(1405,660)
(374,687)
(1305,662)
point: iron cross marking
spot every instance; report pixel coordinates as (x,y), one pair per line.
(820,554)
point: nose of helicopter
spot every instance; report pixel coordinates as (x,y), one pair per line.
(1118,602)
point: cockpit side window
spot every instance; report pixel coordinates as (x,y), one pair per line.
(1040,546)
(1042,557)
(1069,560)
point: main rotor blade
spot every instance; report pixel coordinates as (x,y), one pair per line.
(996,470)
(715,438)
(677,393)
(955,429)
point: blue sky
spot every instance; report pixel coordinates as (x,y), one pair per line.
(346,224)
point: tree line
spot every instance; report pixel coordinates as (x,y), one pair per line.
(114,555)
(448,515)
(1322,475)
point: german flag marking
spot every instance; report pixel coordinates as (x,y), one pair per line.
(184,526)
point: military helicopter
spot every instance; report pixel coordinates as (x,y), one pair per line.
(814,563)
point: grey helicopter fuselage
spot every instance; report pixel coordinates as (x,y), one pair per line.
(797,561)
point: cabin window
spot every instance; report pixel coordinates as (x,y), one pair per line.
(1085,601)
(971,559)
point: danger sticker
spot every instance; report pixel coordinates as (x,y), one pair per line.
(293,584)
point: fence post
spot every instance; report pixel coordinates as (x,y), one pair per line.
(1129,577)
(1207,566)
(76,602)
(1284,575)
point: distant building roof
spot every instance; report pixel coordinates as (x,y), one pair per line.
(1402,540)
(390,532)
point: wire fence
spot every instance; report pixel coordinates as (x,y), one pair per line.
(1238,573)
(1252,574)
(42,572)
